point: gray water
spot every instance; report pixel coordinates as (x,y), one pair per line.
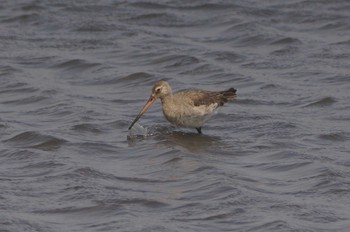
(74,74)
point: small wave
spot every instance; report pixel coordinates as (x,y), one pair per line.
(288,51)
(149,5)
(215,216)
(149,203)
(286,41)
(86,8)
(86,127)
(210,6)
(25,100)
(136,77)
(335,26)
(285,167)
(174,61)
(18,87)
(270,86)
(338,79)
(253,40)
(326,101)
(95,27)
(253,102)
(283,155)
(230,57)
(43,165)
(33,6)
(58,109)
(21,154)
(344,42)
(276,225)
(36,60)
(133,80)
(6,70)
(96,174)
(335,137)
(158,19)
(31,139)
(2,126)
(90,172)
(98,207)
(172,161)
(75,64)
(96,147)
(23,18)
(184,5)
(201,69)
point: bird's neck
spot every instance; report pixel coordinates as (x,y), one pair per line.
(167,99)
(168,106)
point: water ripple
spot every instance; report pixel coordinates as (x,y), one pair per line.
(75,73)
(32,139)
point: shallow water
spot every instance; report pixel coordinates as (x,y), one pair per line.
(74,74)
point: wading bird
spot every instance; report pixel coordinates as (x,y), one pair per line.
(187,108)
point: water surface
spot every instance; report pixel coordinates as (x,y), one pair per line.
(74,74)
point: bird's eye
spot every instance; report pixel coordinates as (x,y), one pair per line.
(157,90)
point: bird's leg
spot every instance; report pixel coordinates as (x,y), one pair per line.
(199,129)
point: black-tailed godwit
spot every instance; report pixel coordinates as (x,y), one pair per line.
(188,108)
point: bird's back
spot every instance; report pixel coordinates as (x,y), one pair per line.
(203,97)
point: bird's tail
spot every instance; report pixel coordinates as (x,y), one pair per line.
(229,94)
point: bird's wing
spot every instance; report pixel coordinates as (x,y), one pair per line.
(204,98)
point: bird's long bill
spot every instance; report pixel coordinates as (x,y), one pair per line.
(144,109)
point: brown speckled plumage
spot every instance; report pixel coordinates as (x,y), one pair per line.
(202,97)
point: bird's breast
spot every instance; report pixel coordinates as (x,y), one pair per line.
(187,115)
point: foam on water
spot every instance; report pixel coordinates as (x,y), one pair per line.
(137,130)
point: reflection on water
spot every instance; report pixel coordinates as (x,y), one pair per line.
(178,139)
(191,142)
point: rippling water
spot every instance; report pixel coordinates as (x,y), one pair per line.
(74,74)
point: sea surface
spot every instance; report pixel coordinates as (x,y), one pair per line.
(74,74)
